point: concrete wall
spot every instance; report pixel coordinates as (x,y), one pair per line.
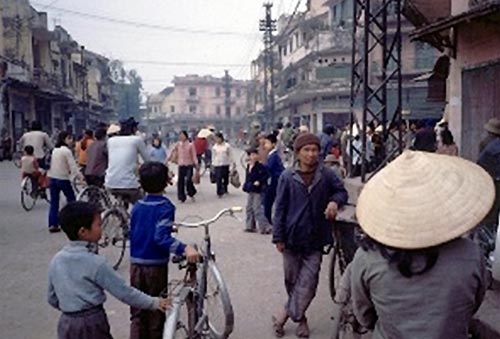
(476,45)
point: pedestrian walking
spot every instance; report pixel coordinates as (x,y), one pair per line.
(62,168)
(184,155)
(78,278)
(415,275)
(255,184)
(221,160)
(307,201)
(151,243)
(81,148)
(97,159)
(156,151)
(275,167)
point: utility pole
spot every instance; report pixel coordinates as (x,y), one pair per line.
(227,104)
(268,26)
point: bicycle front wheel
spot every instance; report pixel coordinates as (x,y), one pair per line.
(217,304)
(113,241)
(337,268)
(181,319)
(28,196)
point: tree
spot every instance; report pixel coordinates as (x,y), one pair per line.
(128,90)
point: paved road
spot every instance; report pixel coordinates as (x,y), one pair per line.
(250,264)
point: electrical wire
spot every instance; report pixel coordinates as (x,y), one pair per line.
(146,25)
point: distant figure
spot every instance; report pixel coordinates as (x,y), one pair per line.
(156,151)
(275,167)
(447,144)
(425,138)
(39,140)
(222,159)
(81,148)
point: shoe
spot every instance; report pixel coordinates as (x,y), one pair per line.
(182,201)
(54,229)
(265,231)
(303,329)
(278,326)
(250,230)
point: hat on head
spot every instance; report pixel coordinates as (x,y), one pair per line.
(424,199)
(493,126)
(305,139)
(303,129)
(331,158)
(113,129)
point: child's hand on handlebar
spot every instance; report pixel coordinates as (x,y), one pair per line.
(192,255)
(164,304)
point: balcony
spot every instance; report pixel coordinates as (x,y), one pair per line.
(46,81)
(193,99)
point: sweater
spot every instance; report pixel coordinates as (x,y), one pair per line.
(257,173)
(123,159)
(151,239)
(78,278)
(275,167)
(437,304)
(158,154)
(62,164)
(221,155)
(38,140)
(299,219)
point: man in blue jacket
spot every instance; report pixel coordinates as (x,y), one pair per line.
(307,200)
(275,167)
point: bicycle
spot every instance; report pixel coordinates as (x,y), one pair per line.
(346,232)
(191,315)
(115,230)
(29,195)
(96,195)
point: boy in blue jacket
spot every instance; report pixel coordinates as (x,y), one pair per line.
(275,167)
(255,183)
(151,243)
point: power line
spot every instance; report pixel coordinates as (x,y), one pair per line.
(181,63)
(146,25)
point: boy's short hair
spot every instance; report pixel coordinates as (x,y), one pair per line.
(272,138)
(29,150)
(76,215)
(153,176)
(252,150)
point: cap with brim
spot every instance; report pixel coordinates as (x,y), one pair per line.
(424,199)
(113,129)
(493,126)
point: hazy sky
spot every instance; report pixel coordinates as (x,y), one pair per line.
(188,31)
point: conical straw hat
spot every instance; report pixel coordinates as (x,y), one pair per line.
(423,199)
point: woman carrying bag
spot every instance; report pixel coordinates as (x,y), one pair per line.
(184,155)
(221,160)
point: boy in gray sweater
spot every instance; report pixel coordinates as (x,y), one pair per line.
(78,278)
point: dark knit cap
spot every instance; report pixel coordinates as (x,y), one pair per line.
(305,139)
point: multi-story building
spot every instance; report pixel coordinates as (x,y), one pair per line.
(48,76)
(315,56)
(197,101)
(468,33)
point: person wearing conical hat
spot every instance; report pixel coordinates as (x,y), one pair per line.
(489,159)
(307,200)
(416,275)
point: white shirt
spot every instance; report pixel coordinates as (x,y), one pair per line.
(38,140)
(62,164)
(123,159)
(221,154)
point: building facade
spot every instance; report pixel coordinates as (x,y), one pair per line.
(468,33)
(193,102)
(47,76)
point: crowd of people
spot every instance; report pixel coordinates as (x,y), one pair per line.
(402,260)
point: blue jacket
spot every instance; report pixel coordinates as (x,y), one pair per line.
(299,220)
(258,173)
(151,239)
(275,167)
(489,159)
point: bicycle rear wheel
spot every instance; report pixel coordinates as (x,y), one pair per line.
(217,304)
(95,195)
(181,319)
(28,196)
(113,241)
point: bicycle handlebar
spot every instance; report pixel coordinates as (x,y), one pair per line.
(231,211)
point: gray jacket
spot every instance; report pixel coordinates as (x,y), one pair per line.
(78,278)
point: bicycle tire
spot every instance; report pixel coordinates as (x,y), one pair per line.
(28,200)
(95,195)
(114,237)
(181,319)
(216,294)
(336,269)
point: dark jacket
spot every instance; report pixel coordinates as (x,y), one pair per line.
(489,159)
(275,167)
(299,220)
(97,159)
(258,173)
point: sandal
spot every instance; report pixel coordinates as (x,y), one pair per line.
(279,331)
(303,329)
